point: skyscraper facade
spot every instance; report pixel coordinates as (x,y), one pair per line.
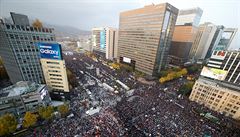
(20,53)
(145,36)
(181,45)
(215,40)
(189,17)
(228,61)
(226,38)
(202,41)
(105,40)
(184,34)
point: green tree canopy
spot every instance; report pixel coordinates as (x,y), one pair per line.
(186,88)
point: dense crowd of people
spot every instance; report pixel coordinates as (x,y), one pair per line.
(151,110)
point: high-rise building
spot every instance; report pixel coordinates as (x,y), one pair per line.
(218,85)
(215,40)
(202,41)
(20,19)
(189,17)
(218,96)
(54,68)
(23,96)
(228,62)
(104,40)
(19,51)
(145,36)
(181,45)
(184,33)
(226,38)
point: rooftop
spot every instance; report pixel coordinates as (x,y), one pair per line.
(20,88)
(223,84)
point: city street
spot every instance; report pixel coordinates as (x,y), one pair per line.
(103,107)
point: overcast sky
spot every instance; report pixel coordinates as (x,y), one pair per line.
(85,14)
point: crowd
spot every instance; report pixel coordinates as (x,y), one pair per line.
(149,111)
(155,113)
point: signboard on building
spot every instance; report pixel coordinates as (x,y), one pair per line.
(50,51)
(102,39)
(214,73)
(126,60)
(219,55)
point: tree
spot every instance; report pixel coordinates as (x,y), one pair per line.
(63,109)
(29,119)
(163,73)
(193,69)
(162,80)
(183,72)
(72,79)
(3,72)
(115,65)
(186,88)
(8,124)
(37,23)
(46,112)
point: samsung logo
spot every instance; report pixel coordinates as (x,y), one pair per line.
(48,51)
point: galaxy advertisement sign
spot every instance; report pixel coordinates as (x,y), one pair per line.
(50,50)
(102,39)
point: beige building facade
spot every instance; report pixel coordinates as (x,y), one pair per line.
(111,43)
(218,96)
(145,35)
(105,40)
(55,74)
(202,41)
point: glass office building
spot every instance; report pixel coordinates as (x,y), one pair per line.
(226,38)
(189,17)
(145,36)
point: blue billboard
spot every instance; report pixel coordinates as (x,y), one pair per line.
(102,39)
(50,50)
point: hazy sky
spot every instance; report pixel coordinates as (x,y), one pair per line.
(85,14)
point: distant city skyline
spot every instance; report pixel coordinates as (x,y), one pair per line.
(86,14)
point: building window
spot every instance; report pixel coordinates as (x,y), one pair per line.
(235,107)
(233,111)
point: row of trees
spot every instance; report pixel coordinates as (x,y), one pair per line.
(8,122)
(173,75)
